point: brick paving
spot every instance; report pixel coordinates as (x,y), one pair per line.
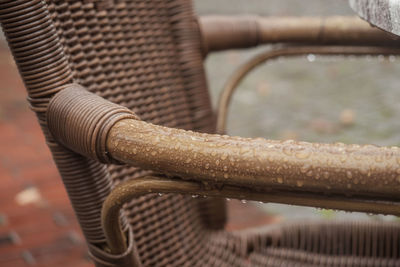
(37,224)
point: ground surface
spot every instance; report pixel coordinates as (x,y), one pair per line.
(286,99)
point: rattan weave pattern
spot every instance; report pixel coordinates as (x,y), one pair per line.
(45,70)
(143,55)
(328,244)
(130,54)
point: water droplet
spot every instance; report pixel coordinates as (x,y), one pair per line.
(207,166)
(280,180)
(287,151)
(156,140)
(160,194)
(300,183)
(217,162)
(243,201)
(304,168)
(228,199)
(195,196)
(244,150)
(288,141)
(224,156)
(311,57)
(147,149)
(349,174)
(225,168)
(303,154)
(379,158)
(309,173)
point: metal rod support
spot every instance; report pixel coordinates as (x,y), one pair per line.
(287,51)
(138,187)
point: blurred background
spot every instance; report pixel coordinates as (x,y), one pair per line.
(310,98)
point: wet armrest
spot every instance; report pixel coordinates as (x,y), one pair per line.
(337,169)
(350,177)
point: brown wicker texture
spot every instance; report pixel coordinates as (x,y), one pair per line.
(328,244)
(127,52)
(146,57)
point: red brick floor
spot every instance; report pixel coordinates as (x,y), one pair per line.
(37,224)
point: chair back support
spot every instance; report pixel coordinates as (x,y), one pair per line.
(144,55)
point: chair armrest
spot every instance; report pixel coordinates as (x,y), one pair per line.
(337,169)
(349,177)
(99,129)
(228,32)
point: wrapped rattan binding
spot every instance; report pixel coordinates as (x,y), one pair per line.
(80,120)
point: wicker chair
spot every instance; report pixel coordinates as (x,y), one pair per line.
(120,92)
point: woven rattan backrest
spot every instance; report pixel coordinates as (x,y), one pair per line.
(142,54)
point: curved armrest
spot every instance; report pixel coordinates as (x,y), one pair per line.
(99,129)
(350,177)
(337,169)
(227,32)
